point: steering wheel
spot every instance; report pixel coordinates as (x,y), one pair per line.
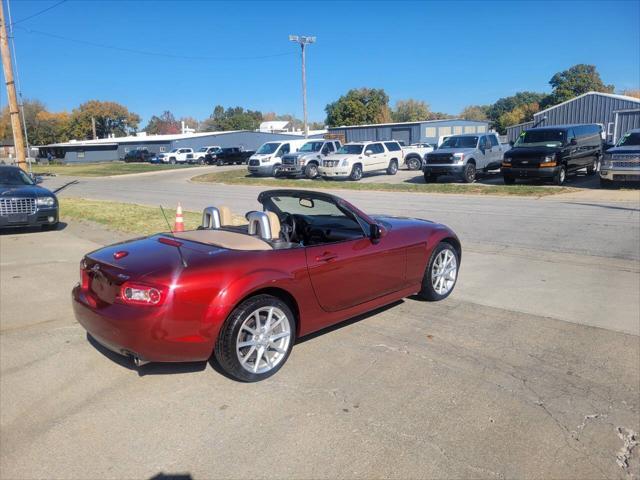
(288,227)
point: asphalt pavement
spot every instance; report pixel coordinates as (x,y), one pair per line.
(531,369)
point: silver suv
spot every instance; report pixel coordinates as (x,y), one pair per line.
(308,158)
(464,156)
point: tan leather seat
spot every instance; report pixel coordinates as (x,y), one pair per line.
(274,223)
(226,218)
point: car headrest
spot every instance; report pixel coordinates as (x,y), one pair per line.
(226,218)
(216,217)
(264,224)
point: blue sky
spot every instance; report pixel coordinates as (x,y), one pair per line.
(447,54)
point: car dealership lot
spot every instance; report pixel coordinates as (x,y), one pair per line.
(530,369)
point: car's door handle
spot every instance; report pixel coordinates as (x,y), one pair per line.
(326,257)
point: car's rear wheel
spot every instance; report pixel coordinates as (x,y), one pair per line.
(469,173)
(172,161)
(256,339)
(311,171)
(356,173)
(392,169)
(201,161)
(413,163)
(219,162)
(441,274)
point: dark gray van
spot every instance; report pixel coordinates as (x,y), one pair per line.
(553,152)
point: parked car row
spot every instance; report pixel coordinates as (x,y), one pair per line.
(210,155)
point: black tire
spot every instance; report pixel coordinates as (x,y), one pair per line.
(311,171)
(605,183)
(560,176)
(201,161)
(428,292)
(469,173)
(276,171)
(508,180)
(172,161)
(225,348)
(356,172)
(413,163)
(594,167)
(430,178)
(220,162)
(392,169)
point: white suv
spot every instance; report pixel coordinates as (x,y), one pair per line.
(179,155)
(354,159)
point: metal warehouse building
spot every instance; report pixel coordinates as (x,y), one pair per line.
(427,131)
(616,113)
(110,149)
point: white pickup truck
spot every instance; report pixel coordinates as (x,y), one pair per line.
(178,155)
(200,155)
(415,154)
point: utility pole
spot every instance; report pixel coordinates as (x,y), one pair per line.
(14,112)
(303,41)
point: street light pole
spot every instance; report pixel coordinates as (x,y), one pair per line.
(303,41)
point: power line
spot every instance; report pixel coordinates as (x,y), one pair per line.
(150,53)
(38,13)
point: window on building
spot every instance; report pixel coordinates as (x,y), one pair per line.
(442,131)
(469,129)
(80,154)
(430,132)
(481,128)
(163,149)
(457,130)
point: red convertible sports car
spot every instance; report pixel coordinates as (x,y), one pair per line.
(245,293)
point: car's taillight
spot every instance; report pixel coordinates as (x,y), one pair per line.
(85,279)
(140,294)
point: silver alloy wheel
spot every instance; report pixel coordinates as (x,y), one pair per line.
(357,173)
(413,164)
(263,339)
(444,272)
(562,175)
(394,166)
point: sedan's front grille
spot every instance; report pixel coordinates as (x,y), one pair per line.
(330,163)
(17,205)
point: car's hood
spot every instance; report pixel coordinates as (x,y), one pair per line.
(454,150)
(24,191)
(530,152)
(298,155)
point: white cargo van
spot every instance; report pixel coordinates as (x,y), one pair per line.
(268,158)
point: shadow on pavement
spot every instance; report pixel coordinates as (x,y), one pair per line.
(25,230)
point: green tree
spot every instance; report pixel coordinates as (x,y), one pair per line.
(236,118)
(411,111)
(496,112)
(475,112)
(359,106)
(110,118)
(165,124)
(575,81)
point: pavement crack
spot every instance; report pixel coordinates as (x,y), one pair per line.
(629,442)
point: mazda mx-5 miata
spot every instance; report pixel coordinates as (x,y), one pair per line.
(245,293)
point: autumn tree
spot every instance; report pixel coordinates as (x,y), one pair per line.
(575,81)
(165,124)
(475,112)
(51,127)
(631,93)
(496,112)
(520,114)
(236,118)
(110,118)
(359,106)
(411,111)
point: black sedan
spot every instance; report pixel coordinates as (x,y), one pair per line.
(23,203)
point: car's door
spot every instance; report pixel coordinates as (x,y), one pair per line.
(573,156)
(483,153)
(495,159)
(348,273)
(376,158)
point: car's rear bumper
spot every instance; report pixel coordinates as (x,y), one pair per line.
(142,332)
(42,216)
(535,172)
(620,174)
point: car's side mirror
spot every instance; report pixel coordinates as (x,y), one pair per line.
(573,142)
(511,143)
(375,232)
(368,153)
(37,179)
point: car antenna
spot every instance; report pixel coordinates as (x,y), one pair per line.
(184,262)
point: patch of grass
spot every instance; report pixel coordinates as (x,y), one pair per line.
(240,177)
(103,169)
(127,217)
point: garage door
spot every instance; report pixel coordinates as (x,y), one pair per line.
(401,135)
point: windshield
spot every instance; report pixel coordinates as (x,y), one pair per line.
(174,150)
(541,138)
(631,138)
(268,148)
(351,149)
(311,147)
(203,149)
(14,177)
(460,142)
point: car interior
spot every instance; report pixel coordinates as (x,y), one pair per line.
(287,222)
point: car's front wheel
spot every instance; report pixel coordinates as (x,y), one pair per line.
(356,173)
(172,161)
(311,171)
(594,167)
(256,339)
(560,176)
(441,274)
(469,173)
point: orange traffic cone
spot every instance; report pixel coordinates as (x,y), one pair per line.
(179,225)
